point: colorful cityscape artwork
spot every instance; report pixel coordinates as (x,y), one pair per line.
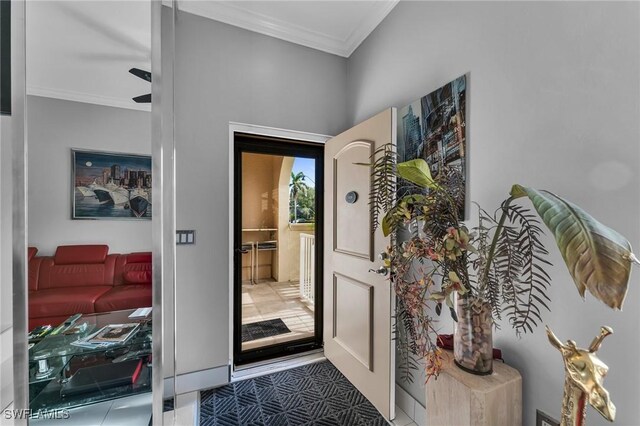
(111,185)
(433,128)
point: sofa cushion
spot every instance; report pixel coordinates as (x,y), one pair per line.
(139,257)
(81,254)
(53,275)
(34,272)
(137,277)
(130,296)
(31,252)
(134,262)
(64,301)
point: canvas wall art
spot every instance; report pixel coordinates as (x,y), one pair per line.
(109,185)
(434,128)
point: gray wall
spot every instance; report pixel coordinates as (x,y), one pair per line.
(225,74)
(553,103)
(54,127)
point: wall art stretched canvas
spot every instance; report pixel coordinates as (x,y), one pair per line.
(434,128)
(109,185)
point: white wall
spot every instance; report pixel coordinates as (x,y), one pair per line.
(225,74)
(54,127)
(553,103)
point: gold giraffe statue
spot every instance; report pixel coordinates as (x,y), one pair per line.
(584,373)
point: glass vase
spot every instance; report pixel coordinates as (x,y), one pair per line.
(472,336)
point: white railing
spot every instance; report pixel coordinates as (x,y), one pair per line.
(307,266)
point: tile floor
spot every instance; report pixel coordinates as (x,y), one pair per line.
(270,300)
(402,419)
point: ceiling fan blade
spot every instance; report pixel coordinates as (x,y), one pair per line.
(145,75)
(143,99)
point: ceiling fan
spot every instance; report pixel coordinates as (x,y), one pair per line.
(145,75)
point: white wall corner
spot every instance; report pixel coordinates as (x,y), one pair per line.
(368,24)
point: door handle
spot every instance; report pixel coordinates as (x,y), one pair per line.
(382,271)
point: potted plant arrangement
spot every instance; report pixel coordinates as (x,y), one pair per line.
(495,270)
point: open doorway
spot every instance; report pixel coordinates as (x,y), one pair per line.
(278,187)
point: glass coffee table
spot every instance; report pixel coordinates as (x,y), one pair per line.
(54,360)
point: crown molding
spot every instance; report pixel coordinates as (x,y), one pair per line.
(237,15)
(87,98)
(370,23)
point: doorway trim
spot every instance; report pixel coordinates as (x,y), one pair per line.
(258,130)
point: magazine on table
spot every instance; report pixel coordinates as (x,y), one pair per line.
(108,335)
(114,333)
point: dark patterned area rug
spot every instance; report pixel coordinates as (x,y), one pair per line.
(261,329)
(314,394)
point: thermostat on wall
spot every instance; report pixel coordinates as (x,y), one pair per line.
(185,237)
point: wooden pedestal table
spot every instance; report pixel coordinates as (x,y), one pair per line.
(458,398)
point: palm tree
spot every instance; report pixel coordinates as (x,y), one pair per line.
(297,186)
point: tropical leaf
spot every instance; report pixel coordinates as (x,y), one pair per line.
(416,171)
(383,188)
(386,225)
(598,258)
(521,249)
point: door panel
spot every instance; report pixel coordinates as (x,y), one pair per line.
(353,316)
(358,311)
(352,216)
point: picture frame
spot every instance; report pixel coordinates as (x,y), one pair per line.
(434,128)
(110,185)
(543,419)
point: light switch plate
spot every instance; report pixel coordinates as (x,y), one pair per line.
(185,236)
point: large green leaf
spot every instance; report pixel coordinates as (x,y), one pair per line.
(599,258)
(416,171)
(386,224)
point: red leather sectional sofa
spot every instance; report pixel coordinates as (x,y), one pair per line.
(86,279)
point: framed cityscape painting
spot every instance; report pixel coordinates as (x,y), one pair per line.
(434,128)
(109,185)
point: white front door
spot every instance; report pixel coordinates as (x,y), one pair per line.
(358,301)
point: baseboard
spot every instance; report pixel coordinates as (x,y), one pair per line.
(412,407)
(196,381)
(219,376)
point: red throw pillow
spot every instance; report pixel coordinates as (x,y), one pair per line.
(137,277)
